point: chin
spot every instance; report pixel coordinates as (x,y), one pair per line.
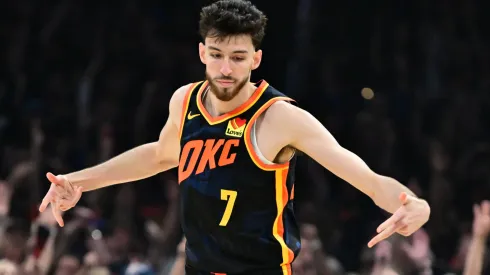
(225,96)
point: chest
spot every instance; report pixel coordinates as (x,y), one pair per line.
(234,136)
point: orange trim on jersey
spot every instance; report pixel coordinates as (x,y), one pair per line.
(240,110)
(248,138)
(282,199)
(214,273)
(287,270)
(185,106)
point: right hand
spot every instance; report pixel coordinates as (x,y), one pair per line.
(62,195)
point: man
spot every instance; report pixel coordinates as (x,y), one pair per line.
(234,144)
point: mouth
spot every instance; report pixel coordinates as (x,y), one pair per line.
(225,83)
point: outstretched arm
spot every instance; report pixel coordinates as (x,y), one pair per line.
(302,131)
(308,135)
(140,162)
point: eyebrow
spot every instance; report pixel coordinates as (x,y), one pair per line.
(216,49)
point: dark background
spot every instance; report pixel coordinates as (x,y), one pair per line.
(82,81)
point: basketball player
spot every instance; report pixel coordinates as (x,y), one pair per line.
(234,144)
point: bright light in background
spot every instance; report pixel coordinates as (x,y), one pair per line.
(367,93)
(96,234)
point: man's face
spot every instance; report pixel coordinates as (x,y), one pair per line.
(229,63)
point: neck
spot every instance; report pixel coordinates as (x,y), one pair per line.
(219,107)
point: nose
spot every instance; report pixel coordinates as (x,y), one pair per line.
(225,68)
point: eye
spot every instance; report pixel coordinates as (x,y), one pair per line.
(238,58)
(215,55)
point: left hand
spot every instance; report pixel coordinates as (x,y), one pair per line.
(406,220)
(62,195)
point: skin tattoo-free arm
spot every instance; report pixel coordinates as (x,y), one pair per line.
(304,132)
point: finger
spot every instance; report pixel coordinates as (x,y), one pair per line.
(54,179)
(45,202)
(485,208)
(57,214)
(476,210)
(384,234)
(381,236)
(397,216)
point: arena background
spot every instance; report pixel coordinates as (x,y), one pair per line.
(403,84)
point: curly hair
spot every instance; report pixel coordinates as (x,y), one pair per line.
(226,18)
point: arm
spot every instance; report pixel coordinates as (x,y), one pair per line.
(46,258)
(481,228)
(305,133)
(474,258)
(140,162)
(179,265)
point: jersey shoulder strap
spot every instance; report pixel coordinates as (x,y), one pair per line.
(187,103)
(269,97)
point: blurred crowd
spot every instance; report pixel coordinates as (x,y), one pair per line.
(82,81)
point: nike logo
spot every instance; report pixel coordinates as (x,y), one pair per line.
(189,116)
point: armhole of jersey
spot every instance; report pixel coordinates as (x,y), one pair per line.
(248,137)
(185,106)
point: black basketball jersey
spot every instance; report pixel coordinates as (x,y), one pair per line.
(236,208)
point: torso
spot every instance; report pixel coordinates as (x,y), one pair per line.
(236,183)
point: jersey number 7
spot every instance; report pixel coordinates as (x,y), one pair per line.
(230,197)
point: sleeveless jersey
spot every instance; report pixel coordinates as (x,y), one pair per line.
(236,208)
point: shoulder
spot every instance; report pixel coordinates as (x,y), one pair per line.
(177,99)
(176,104)
(288,121)
(279,119)
(281,111)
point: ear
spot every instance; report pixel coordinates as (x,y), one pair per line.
(202,53)
(257,59)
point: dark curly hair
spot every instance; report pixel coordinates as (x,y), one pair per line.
(227,18)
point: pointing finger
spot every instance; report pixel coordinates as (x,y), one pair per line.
(44,203)
(381,236)
(384,234)
(46,200)
(397,216)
